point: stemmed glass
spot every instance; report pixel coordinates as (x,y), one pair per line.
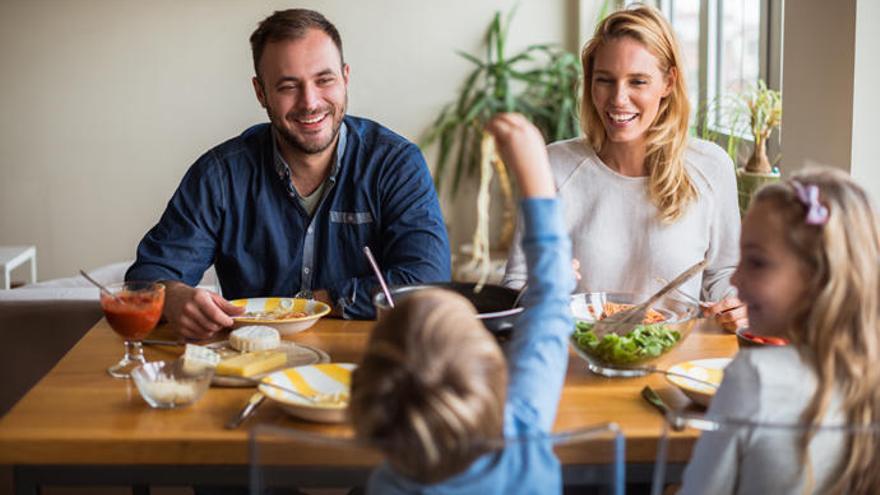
(132,309)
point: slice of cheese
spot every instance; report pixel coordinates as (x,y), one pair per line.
(254,338)
(197,358)
(252,363)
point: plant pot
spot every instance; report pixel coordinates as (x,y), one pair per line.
(747,183)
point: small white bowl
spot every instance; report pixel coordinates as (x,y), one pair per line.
(314,380)
(165,385)
(314,310)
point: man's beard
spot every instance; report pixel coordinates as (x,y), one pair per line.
(306,147)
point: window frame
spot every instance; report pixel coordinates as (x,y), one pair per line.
(710,45)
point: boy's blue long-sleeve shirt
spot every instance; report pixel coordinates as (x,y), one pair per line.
(233,210)
(537,361)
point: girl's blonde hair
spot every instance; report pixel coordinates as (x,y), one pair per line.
(838,323)
(430,391)
(669,186)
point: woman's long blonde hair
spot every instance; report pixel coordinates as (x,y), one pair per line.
(669,185)
(838,323)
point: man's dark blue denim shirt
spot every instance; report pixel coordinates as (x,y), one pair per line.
(233,210)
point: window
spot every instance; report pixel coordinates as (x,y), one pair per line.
(685,16)
(728,45)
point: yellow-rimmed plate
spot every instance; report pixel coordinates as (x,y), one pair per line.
(707,374)
(269,311)
(323,381)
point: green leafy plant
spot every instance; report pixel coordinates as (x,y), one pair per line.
(540,82)
(765,114)
(754,112)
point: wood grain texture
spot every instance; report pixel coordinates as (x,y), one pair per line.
(77,414)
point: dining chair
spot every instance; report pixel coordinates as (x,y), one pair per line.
(747,456)
(302,457)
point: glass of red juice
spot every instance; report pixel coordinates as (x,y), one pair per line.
(132,309)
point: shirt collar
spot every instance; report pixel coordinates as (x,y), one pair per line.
(283,169)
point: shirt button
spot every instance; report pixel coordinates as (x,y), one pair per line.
(306,270)
(310,230)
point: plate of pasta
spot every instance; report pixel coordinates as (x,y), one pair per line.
(288,315)
(318,392)
(699,379)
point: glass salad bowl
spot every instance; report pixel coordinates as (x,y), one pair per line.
(666,326)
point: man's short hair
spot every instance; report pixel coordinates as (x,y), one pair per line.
(291,24)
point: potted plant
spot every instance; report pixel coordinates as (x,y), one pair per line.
(540,82)
(764,107)
(756,112)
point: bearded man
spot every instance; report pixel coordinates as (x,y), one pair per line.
(287,207)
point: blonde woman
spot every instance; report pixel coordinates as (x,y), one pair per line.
(642,200)
(810,272)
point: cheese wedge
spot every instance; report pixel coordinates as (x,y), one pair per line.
(252,363)
(254,338)
(197,358)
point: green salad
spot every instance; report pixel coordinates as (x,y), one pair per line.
(644,342)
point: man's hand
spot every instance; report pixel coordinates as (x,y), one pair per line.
(522,148)
(197,313)
(731,313)
(324,296)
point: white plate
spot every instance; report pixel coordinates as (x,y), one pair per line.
(289,326)
(328,378)
(297,355)
(704,370)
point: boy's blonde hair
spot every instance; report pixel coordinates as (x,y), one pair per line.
(838,322)
(669,185)
(431,389)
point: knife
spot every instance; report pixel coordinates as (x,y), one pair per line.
(653,398)
(252,404)
(676,419)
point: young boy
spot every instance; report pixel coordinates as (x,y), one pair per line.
(434,392)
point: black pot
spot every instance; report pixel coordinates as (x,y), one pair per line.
(494,303)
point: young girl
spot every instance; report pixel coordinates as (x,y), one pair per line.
(434,391)
(810,272)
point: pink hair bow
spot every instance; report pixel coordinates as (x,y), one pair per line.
(817,214)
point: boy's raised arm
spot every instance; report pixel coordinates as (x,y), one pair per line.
(538,352)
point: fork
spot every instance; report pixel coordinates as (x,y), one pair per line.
(623,322)
(703,304)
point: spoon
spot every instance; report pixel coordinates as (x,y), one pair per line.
(99,285)
(378,272)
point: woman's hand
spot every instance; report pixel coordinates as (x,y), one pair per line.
(730,314)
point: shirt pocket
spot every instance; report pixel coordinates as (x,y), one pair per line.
(353,230)
(351,217)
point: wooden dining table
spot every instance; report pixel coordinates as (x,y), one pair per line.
(78,425)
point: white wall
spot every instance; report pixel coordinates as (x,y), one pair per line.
(105,103)
(817,84)
(831,77)
(866,97)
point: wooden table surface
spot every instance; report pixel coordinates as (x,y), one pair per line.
(79,415)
